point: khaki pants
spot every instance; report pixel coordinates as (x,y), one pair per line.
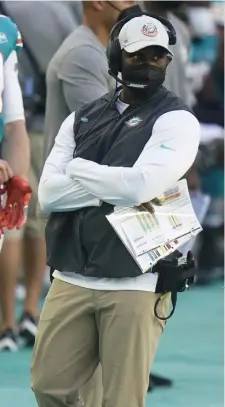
(81,327)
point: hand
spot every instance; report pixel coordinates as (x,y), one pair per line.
(18,197)
(5,172)
(148,205)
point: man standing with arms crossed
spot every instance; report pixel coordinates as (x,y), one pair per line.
(127,148)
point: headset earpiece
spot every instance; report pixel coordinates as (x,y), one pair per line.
(114,56)
(113,50)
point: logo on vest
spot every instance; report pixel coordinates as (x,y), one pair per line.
(84,119)
(3,38)
(135,121)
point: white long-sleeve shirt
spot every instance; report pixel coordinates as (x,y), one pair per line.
(68,184)
(12,96)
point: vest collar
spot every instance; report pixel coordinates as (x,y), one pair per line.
(112,97)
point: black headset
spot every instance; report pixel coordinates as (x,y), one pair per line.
(114,52)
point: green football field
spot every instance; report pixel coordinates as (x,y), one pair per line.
(190,352)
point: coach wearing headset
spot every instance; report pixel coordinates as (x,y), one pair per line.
(122,149)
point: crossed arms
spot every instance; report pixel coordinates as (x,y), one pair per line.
(68,184)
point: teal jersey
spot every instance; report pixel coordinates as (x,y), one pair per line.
(10,40)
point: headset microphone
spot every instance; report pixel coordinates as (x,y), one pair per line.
(126,83)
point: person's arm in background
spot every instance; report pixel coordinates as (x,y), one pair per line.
(84,76)
(57,192)
(15,145)
(169,153)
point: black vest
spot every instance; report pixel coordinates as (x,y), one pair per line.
(83,241)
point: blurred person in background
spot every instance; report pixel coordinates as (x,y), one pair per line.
(204,42)
(78,72)
(210,98)
(55,21)
(203,31)
(15,152)
(209,110)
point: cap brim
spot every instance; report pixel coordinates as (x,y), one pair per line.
(136,46)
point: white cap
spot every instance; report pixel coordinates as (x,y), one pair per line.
(142,32)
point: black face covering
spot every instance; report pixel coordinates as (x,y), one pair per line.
(149,76)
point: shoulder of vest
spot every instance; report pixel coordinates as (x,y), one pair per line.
(99,103)
(101,100)
(173,101)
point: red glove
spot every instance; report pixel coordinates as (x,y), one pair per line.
(3,222)
(18,197)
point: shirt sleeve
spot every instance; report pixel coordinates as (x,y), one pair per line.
(83,76)
(57,192)
(169,153)
(12,95)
